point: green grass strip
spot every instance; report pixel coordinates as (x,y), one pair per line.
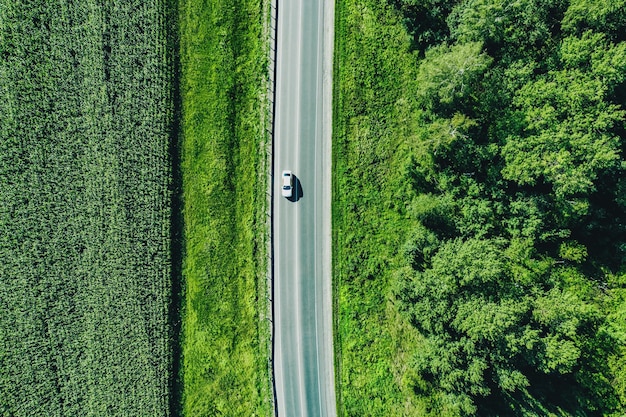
(374,113)
(224,115)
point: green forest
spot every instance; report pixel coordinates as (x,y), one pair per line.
(480,207)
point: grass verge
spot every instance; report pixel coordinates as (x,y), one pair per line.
(373,114)
(224,50)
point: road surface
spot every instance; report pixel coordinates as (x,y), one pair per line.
(303,352)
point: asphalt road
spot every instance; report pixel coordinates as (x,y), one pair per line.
(303,352)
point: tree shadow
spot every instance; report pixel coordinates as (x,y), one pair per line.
(426,23)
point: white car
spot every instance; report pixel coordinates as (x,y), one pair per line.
(287,190)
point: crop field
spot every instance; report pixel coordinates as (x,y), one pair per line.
(86,179)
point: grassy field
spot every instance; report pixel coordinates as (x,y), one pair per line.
(374,86)
(224,88)
(85,207)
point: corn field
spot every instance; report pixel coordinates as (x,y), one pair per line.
(86,130)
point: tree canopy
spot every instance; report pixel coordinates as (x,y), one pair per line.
(514,268)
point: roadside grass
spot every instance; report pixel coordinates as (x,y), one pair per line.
(224,62)
(374,112)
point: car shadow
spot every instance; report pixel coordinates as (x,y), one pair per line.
(297,188)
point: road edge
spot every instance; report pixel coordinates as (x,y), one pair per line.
(272,38)
(327,123)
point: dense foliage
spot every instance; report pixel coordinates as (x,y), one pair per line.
(510,200)
(224,61)
(85,205)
